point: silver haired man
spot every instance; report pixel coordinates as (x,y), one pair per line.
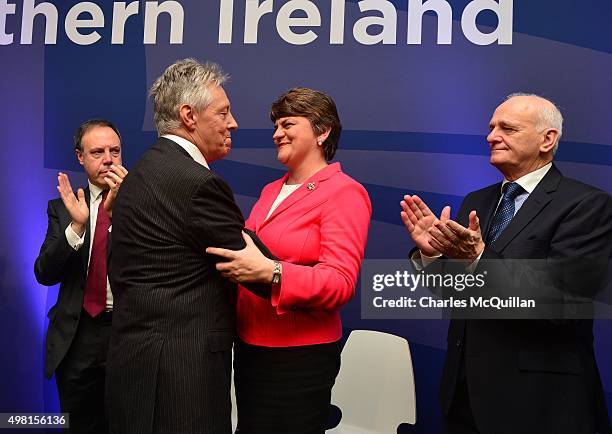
(170,356)
(530,376)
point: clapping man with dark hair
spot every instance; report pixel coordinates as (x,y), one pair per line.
(74,255)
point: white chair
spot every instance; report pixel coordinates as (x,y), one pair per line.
(375,386)
(233,398)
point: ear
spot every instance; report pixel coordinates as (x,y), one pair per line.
(79,155)
(323,137)
(550,137)
(188,116)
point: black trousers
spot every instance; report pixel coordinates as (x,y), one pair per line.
(80,376)
(284,390)
(460,419)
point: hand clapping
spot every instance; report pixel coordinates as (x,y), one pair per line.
(441,236)
(457,242)
(419,219)
(75,205)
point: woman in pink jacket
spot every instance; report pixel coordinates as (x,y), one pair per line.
(315,220)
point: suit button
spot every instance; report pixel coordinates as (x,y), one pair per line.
(458,343)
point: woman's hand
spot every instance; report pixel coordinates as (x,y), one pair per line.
(246,265)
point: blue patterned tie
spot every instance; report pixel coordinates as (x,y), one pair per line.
(505,210)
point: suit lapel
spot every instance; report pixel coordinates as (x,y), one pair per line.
(489,204)
(308,187)
(297,195)
(536,201)
(268,200)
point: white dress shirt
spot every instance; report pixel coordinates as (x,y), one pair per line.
(191,149)
(529,183)
(76,242)
(286,190)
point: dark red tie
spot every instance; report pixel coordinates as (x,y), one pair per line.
(94,300)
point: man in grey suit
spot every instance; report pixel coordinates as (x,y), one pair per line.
(170,357)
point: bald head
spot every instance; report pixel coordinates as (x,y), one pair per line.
(544,111)
(525,131)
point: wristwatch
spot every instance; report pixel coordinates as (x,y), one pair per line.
(276,276)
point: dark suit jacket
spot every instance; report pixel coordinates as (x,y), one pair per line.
(56,263)
(174,320)
(535,376)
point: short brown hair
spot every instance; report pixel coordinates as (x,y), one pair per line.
(315,106)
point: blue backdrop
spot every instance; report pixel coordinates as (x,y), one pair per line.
(414,117)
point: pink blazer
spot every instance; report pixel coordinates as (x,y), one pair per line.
(319,233)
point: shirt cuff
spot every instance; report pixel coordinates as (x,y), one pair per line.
(73,239)
(470,268)
(421,261)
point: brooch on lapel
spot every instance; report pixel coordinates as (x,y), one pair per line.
(310,186)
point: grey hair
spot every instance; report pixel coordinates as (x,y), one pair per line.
(549,116)
(184,82)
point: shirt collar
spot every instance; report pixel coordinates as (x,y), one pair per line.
(191,149)
(532,179)
(94,191)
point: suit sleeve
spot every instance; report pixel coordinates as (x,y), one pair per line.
(575,263)
(330,283)
(214,219)
(55,252)
(582,246)
(586,232)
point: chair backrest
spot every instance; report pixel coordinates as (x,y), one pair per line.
(233,398)
(375,386)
